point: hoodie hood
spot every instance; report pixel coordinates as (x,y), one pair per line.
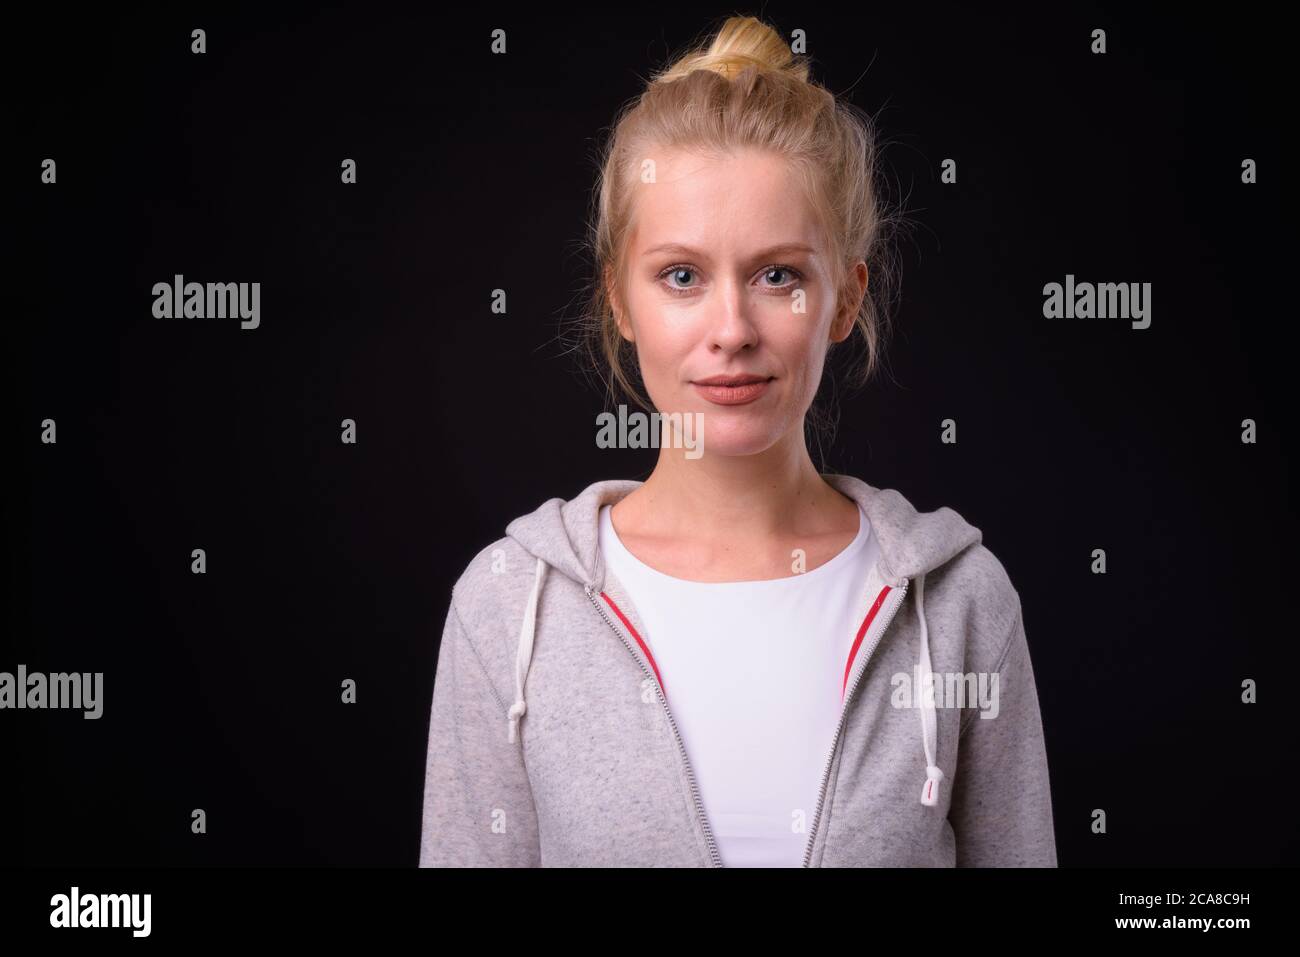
(564,537)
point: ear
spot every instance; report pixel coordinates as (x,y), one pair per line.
(855,289)
(620,315)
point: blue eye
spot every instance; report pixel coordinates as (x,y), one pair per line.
(676,272)
(783,288)
(683,272)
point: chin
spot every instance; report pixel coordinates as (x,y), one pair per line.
(729,434)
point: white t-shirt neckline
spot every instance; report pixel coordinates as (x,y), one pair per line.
(844,557)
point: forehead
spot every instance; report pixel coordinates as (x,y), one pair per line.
(725,203)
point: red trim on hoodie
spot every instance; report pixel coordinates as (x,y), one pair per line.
(848,665)
(866,623)
(623,618)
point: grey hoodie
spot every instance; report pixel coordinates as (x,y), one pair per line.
(551,743)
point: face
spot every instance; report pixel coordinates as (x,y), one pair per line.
(729,296)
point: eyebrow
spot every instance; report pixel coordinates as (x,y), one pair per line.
(769,253)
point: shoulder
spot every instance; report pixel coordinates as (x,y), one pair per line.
(978,593)
(488,601)
(499,573)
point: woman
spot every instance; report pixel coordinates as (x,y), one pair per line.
(723,665)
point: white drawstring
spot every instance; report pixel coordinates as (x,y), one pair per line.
(524,657)
(929,721)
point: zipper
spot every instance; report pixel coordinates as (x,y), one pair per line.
(714,855)
(844,710)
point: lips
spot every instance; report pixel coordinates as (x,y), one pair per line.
(732,389)
(732,380)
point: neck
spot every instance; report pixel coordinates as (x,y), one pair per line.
(742,497)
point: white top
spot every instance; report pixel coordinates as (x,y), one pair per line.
(753,672)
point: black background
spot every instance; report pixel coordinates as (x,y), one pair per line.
(329,561)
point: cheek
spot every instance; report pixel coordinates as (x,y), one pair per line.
(659,340)
(663,332)
(802,355)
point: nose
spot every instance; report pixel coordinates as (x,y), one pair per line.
(731,327)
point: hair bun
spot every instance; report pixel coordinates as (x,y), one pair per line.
(741,43)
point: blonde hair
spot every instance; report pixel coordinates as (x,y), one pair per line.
(744,87)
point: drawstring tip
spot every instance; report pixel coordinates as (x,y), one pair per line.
(516,712)
(930,792)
